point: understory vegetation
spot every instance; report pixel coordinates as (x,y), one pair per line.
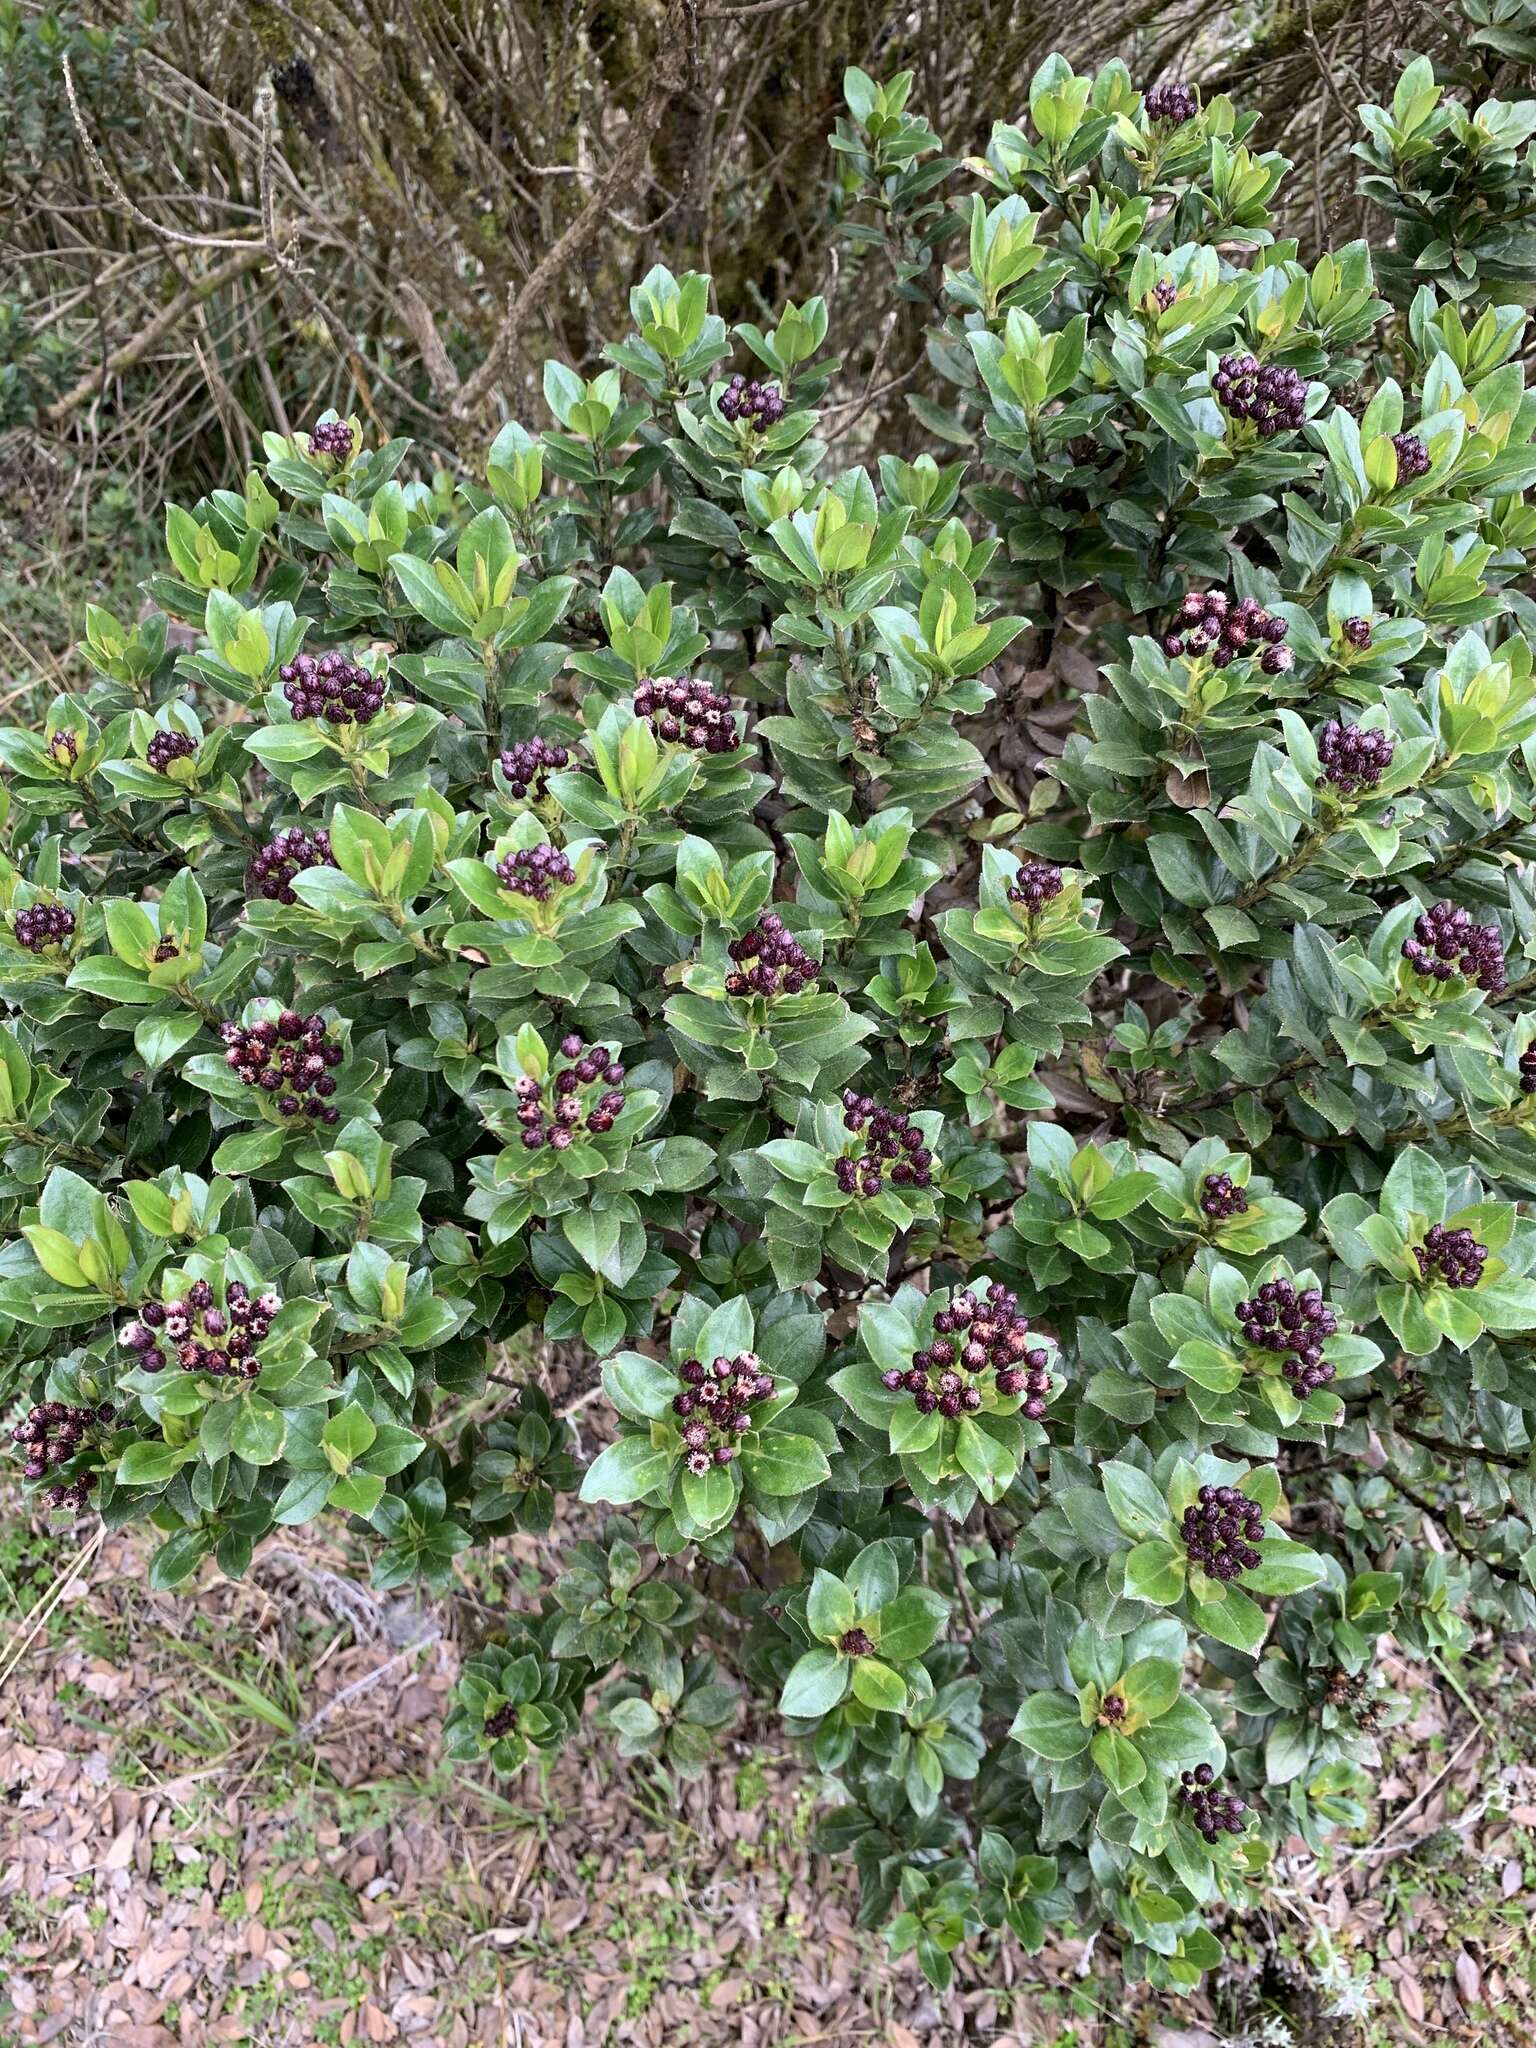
(978,975)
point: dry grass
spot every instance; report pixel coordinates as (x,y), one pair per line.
(227,1822)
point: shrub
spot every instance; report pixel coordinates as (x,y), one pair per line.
(1035,1142)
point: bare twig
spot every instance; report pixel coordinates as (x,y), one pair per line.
(672,62)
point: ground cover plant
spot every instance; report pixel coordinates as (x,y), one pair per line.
(1047,1217)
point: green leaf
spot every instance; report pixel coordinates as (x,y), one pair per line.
(1151,1686)
(1155,1571)
(1118,1760)
(346,1436)
(151,1464)
(627,1471)
(911,1623)
(873,1577)
(258,1432)
(816,1684)
(1134,1500)
(1236,1620)
(982,1458)
(876,1685)
(829,1608)
(727,1331)
(782,1464)
(1052,1726)
(1283,1568)
(158,1039)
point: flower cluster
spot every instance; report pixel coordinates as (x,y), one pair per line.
(64,748)
(166,747)
(1035,885)
(1446,942)
(1273,398)
(51,1435)
(716,1406)
(1293,1326)
(535,872)
(972,1337)
(1220,1530)
(1164,292)
(1528,1071)
(1211,1812)
(289,1058)
(584,1096)
(43,927)
(193,1332)
(1452,1256)
(856,1642)
(893,1146)
(165,949)
(329,686)
(693,713)
(1358,633)
(332,437)
(1353,757)
(1174,103)
(529,763)
(1221,1197)
(1211,623)
(759,404)
(1412,457)
(270,870)
(769,962)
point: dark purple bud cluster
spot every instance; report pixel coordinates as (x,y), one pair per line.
(270,871)
(1221,1197)
(1112,1709)
(1173,103)
(535,872)
(759,404)
(769,962)
(1293,1326)
(1453,1257)
(971,1337)
(329,686)
(1528,1071)
(585,1096)
(691,713)
(1358,633)
(1035,885)
(1353,757)
(1446,942)
(332,437)
(1213,1813)
(527,765)
(63,748)
(1220,1530)
(716,1406)
(893,1149)
(1164,292)
(165,949)
(290,1060)
(1209,622)
(502,1722)
(856,1642)
(43,927)
(1412,457)
(51,1435)
(166,747)
(194,1333)
(1273,398)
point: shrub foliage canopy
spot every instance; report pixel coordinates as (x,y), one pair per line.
(1036,1152)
